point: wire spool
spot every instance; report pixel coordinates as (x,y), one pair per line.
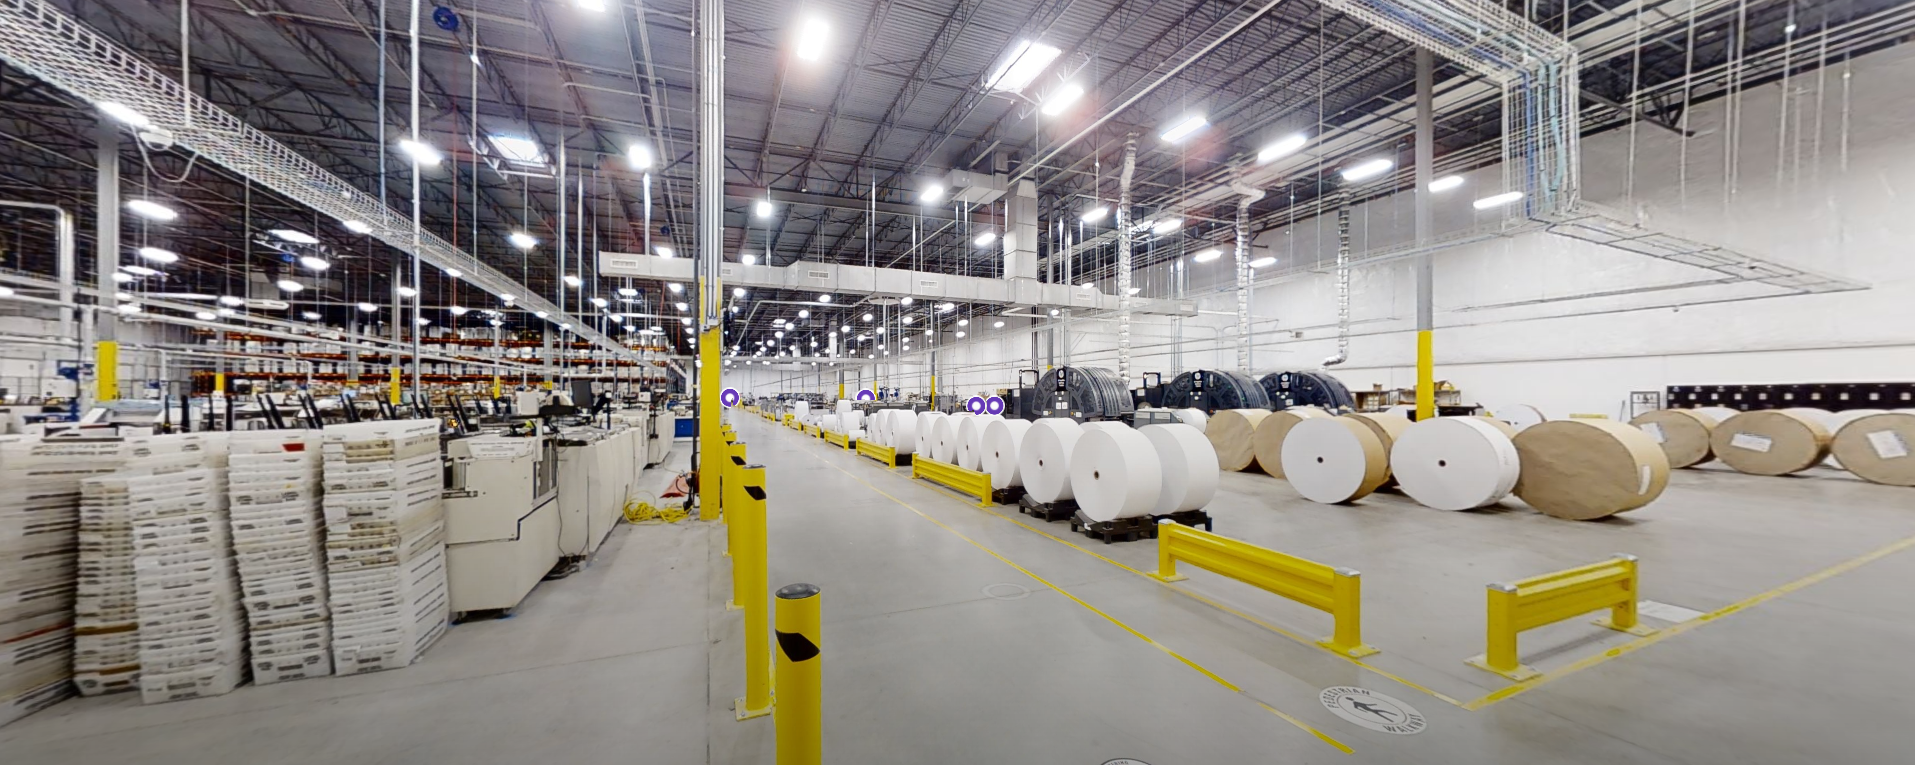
(1876,447)
(1267,442)
(1333,460)
(1771,441)
(1455,463)
(1221,390)
(999,453)
(1386,427)
(1193,417)
(1683,434)
(1230,433)
(1095,391)
(1519,416)
(1043,458)
(1583,470)
(1115,473)
(971,439)
(945,443)
(1838,420)
(1319,389)
(1189,465)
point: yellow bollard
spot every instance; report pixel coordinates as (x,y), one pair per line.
(732,541)
(748,516)
(799,717)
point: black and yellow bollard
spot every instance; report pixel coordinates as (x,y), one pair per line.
(799,679)
(748,561)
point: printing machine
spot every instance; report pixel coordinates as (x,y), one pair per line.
(502,518)
(597,469)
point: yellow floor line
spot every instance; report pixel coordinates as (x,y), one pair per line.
(1107,617)
(1669,632)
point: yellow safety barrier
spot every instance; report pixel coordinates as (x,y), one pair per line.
(884,454)
(1542,600)
(800,678)
(747,516)
(1338,591)
(841,440)
(788,418)
(728,477)
(812,430)
(970,482)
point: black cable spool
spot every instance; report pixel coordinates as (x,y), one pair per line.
(1318,389)
(1094,391)
(1219,390)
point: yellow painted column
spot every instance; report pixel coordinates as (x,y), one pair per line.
(106,371)
(1425,375)
(800,678)
(495,387)
(219,383)
(711,441)
(392,385)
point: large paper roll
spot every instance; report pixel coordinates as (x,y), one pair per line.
(998,456)
(1519,416)
(1043,459)
(971,440)
(1190,467)
(875,428)
(945,434)
(850,421)
(1834,424)
(1877,447)
(1719,414)
(1683,434)
(1771,441)
(1267,442)
(1333,460)
(1193,417)
(802,408)
(1115,473)
(1455,463)
(1587,469)
(1386,427)
(927,440)
(1499,425)
(904,432)
(844,406)
(1230,432)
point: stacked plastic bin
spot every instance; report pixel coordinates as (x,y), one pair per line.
(192,629)
(280,548)
(385,542)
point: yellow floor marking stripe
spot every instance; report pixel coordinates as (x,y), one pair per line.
(1095,610)
(1672,631)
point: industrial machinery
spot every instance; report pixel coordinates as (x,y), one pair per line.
(1079,393)
(1318,389)
(596,469)
(1210,391)
(502,519)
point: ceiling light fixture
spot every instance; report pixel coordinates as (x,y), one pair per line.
(1094,214)
(1022,66)
(738,292)
(1367,170)
(985,239)
(314,263)
(1166,226)
(1498,200)
(932,194)
(627,292)
(296,237)
(121,112)
(205,315)
(1445,183)
(824,298)
(964,322)
(358,227)
(682,306)
(456,311)
(151,210)
(997,325)
(139,270)
(406,292)
(454,273)
(948,307)
(158,255)
(311,315)
(539,314)
(226,312)
(507,299)
(421,152)
(232,300)
(1282,148)
(812,35)
(639,155)
(804,314)
(1184,128)
(1207,255)
(1133,290)
(867,317)
(289,285)
(601,302)
(762,208)
(1061,98)
(572,280)
(676,287)
(748,259)
(522,240)
(960,333)
(1261,262)
(663,251)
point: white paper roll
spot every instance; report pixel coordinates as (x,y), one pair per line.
(927,440)
(1194,418)
(850,421)
(1102,424)
(1519,416)
(971,439)
(1043,458)
(998,453)
(1189,465)
(802,408)
(844,406)
(1115,473)
(904,432)
(1333,460)
(1454,463)
(944,447)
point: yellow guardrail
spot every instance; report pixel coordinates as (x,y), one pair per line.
(813,431)
(788,418)
(1543,600)
(841,440)
(970,482)
(884,454)
(1338,591)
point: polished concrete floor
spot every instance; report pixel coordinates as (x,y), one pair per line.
(955,634)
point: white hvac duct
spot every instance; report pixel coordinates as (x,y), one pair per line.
(1248,196)
(1123,257)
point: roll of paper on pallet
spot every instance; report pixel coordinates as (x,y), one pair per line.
(971,439)
(1267,443)
(1194,418)
(1588,469)
(1002,438)
(1333,460)
(1115,473)
(1230,432)
(1876,448)
(927,439)
(1455,463)
(1386,427)
(1189,465)
(1836,422)
(1043,459)
(1771,441)
(945,434)
(1683,434)
(904,432)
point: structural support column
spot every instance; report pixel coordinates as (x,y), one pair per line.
(106,261)
(1123,259)
(1425,170)
(711,249)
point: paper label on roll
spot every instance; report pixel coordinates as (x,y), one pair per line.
(1888,444)
(1751,442)
(1654,430)
(1647,476)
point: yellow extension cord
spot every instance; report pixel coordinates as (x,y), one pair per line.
(643,511)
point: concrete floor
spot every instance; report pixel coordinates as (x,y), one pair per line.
(959,635)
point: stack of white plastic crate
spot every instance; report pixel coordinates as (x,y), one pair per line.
(191,628)
(39,552)
(106,648)
(385,542)
(279,546)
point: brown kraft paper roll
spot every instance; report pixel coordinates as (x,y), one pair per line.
(1771,441)
(1877,448)
(1386,427)
(1230,434)
(1267,442)
(1588,469)
(1683,434)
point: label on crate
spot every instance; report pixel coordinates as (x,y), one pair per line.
(500,449)
(1751,442)
(1654,430)
(1888,444)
